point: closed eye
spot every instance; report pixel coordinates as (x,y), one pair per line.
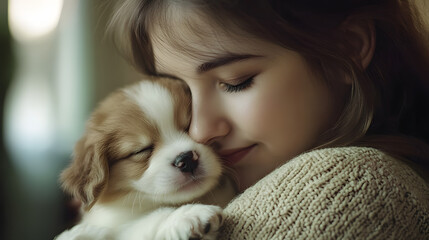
(147,149)
(238,87)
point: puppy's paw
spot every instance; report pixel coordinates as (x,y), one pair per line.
(85,232)
(193,221)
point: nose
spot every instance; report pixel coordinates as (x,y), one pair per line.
(186,162)
(207,123)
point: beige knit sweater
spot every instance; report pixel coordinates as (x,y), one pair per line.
(337,193)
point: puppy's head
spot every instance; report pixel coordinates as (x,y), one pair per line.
(136,143)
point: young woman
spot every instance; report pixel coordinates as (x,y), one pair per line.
(322,104)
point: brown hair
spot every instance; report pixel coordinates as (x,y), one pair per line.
(388,104)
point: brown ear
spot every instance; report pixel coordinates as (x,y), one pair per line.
(87,175)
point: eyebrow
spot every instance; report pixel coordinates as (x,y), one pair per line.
(224,60)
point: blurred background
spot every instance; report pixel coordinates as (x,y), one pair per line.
(55,65)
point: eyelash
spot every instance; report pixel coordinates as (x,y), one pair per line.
(148,149)
(239,87)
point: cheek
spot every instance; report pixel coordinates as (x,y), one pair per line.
(257,114)
(270,115)
(273,103)
(286,115)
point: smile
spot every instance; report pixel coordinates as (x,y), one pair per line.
(233,156)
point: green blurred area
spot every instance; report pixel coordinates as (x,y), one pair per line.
(6,68)
(32,205)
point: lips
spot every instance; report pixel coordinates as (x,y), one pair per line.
(233,156)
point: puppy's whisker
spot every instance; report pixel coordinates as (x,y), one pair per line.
(134,201)
(140,200)
(126,199)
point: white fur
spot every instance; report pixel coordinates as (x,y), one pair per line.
(165,181)
(156,102)
(144,213)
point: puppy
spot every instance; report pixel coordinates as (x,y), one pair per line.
(135,165)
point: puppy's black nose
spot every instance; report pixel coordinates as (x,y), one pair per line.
(186,161)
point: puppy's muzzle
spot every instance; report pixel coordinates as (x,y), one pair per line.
(186,162)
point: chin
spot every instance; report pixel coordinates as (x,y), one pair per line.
(138,173)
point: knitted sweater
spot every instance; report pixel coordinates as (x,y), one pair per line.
(337,193)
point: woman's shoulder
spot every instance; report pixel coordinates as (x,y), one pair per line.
(369,163)
(345,167)
(349,192)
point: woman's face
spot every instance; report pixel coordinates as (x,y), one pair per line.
(257,103)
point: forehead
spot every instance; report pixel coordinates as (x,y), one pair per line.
(186,38)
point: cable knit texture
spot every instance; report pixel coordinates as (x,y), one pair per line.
(336,193)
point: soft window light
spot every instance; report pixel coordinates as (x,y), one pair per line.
(31,19)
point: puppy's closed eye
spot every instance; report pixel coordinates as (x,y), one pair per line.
(145,151)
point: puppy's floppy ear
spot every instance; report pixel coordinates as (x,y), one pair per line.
(87,175)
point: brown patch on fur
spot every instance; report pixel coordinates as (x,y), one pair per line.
(85,178)
(182,101)
(103,159)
